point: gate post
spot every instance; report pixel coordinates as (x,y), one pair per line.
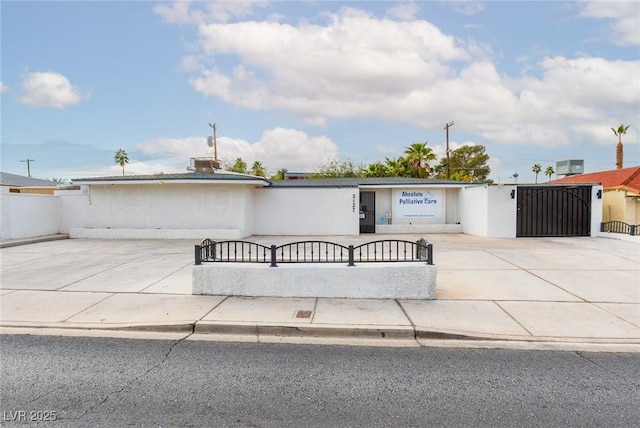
(351,258)
(197,251)
(273,256)
(421,249)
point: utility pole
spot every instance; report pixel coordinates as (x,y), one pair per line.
(446,127)
(28,161)
(215,144)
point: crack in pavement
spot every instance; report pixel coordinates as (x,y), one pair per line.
(584,357)
(135,379)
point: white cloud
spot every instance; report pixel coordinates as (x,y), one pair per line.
(181,12)
(404,11)
(345,69)
(3,88)
(625,19)
(49,90)
(178,12)
(468,7)
(359,66)
(277,148)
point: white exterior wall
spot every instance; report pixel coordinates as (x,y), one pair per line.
(473,212)
(383,205)
(488,211)
(596,210)
(451,207)
(501,212)
(74,208)
(26,215)
(306,211)
(163,211)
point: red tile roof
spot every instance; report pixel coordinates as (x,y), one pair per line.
(624,179)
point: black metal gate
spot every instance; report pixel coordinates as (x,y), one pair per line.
(367,212)
(553,211)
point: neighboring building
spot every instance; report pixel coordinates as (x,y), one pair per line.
(296,175)
(21,184)
(621,199)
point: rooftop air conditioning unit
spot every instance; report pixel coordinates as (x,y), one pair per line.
(205,164)
(570,167)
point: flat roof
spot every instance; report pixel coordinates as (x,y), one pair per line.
(367,181)
(188,177)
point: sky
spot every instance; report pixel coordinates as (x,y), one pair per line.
(296,84)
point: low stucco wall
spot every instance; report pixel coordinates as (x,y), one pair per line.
(418,228)
(410,280)
(25,215)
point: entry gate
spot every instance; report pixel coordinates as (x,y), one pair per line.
(367,212)
(553,211)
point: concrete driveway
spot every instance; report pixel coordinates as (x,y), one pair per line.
(559,290)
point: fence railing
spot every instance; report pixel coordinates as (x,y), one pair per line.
(620,227)
(390,250)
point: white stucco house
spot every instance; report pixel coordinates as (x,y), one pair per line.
(224,205)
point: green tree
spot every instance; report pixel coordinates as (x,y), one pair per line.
(238,166)
(467,163)
(280,174)
(339,169)
(536,170)
(377,169)
(549,171)
(619,150)
(418,156)
(121,158)
(258,169)
(397,167)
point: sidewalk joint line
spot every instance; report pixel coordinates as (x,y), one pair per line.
(165,277)
(211,310)
(413,325)
(512,317)
(90,306)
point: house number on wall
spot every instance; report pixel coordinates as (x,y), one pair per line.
(353,202)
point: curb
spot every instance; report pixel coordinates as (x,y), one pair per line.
(373,332)
(325,331)
(35,240)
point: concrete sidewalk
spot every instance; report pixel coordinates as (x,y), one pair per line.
(554,292)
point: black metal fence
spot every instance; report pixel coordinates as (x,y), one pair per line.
(620,227)
(390,250)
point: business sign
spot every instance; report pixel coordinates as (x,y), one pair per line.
(417,203)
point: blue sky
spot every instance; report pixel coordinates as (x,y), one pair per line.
(295,84)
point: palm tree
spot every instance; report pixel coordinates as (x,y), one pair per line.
(280,174)
(419,156)
(536,170)
(396,167)
(121,157)
(377,169)
(257,169)
(619,153)
(549,171)
(239,166)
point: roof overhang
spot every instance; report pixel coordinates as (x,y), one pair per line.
(160,181)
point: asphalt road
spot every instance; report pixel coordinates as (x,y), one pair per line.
(90,382)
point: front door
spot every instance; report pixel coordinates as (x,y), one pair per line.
(367,212)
